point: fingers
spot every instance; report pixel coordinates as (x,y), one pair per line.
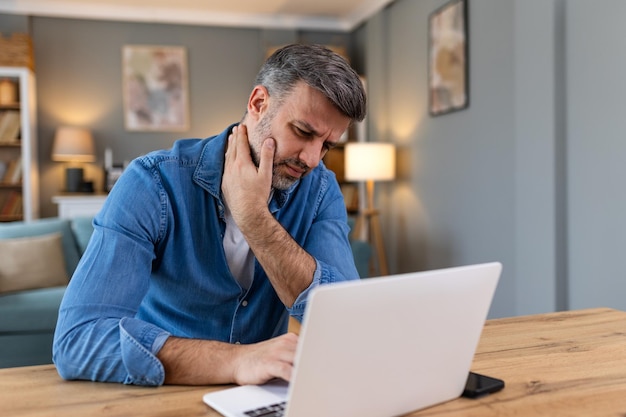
(284,367)
(246,187)
(234,141)
(282,351)
(239,147)
(267,360)
(266,165)
(241,139)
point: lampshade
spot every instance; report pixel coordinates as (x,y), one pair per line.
(73,144)
(370,161)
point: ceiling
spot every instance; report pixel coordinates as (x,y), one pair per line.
(333,15)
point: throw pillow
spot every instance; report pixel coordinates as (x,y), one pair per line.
(39,227)
(32,262)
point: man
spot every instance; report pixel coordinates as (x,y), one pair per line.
(202,252)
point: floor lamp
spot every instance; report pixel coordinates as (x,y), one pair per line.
(370,162)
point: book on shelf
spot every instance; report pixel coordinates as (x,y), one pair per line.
(9,126)
(13,173)
(18,208)
(13,204)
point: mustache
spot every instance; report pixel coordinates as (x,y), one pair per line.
(295,162)
(289,161)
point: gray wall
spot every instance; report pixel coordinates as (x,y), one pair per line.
(596,153)
(530,173)
(79,83)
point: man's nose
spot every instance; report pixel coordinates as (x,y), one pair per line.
(311,154)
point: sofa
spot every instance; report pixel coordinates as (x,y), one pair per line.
(28,315)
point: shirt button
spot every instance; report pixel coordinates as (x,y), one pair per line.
(244,303)
(237,343)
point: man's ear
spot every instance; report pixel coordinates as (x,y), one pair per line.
(258,102)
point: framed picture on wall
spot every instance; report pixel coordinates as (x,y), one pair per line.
(155,84)
(448,75)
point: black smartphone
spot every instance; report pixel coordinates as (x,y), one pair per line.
(478,385)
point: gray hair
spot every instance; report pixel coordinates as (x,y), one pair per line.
(320,68)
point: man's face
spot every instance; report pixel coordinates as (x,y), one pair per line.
(305,126)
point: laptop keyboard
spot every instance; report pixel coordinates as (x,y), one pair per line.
(273,410)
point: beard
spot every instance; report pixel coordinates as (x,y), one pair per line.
(280,180)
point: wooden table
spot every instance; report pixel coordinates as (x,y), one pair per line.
(559,364)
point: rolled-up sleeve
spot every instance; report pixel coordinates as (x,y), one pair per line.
(139,343)
(111,350)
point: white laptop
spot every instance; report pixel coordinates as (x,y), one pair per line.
(378,347)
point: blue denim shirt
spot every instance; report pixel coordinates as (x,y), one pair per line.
(155,265)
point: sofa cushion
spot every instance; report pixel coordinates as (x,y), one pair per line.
(26,349)
(32,262)
(30,311)
(43,227)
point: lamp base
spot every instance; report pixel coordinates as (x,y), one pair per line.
(73,179)
(369,217)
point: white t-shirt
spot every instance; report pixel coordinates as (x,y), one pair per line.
(238,254)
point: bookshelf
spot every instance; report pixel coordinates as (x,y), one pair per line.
(19,174)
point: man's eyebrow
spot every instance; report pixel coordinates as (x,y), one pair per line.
(301,124)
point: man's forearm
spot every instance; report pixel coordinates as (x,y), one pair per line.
(206,362)
(197,362)
(289,267)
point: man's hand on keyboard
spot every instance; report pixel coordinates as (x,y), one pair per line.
(260,362)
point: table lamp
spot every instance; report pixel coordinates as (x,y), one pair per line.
(73,145)
(370,162)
